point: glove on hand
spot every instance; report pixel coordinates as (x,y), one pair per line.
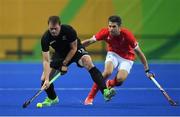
(149,73)
(63,69)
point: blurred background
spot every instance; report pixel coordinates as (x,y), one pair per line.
(155,24)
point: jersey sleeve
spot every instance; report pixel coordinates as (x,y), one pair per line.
(45,43)
(132,40)
(71,35)
(101,35)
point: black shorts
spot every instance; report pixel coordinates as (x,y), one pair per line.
(56,59)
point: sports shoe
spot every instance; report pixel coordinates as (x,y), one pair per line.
(109,93)
(49,102)
(88,100)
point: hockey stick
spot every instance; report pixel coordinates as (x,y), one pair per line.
(170,100)
(39,92)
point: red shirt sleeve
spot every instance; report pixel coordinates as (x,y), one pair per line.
(132,39)
(102,34)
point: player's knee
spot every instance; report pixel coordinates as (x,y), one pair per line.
(87,62)
(106,74)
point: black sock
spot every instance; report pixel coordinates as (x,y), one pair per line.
(98,78)
(50,91)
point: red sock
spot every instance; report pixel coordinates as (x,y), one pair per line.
(93,91)
(112,82)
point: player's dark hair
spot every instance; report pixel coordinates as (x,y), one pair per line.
(54,20)
(116,19)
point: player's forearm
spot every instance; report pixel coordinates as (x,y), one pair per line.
(69,56)
(142,58)
(144,62)
(46,67)
(71,53)
(87,42)
(46,64)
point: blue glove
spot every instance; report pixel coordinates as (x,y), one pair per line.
(149,73)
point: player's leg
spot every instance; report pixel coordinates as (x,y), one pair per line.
(123,71)
(107,72)
(110,64)
(83,59)
(119,79)
(97,77)
(94,72)
(51,98)
(50,91)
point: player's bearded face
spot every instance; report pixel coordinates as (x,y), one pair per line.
(54,29)
(114,29)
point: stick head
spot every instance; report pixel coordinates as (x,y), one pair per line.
(26,104)
(173,103)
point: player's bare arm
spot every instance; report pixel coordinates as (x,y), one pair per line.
(71,53)
(87,42)
(142,57)
(46,68)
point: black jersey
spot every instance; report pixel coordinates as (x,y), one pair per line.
(61,43)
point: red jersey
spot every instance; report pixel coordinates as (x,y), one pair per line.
(123,44)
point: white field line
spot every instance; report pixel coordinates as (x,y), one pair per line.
(85,89)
